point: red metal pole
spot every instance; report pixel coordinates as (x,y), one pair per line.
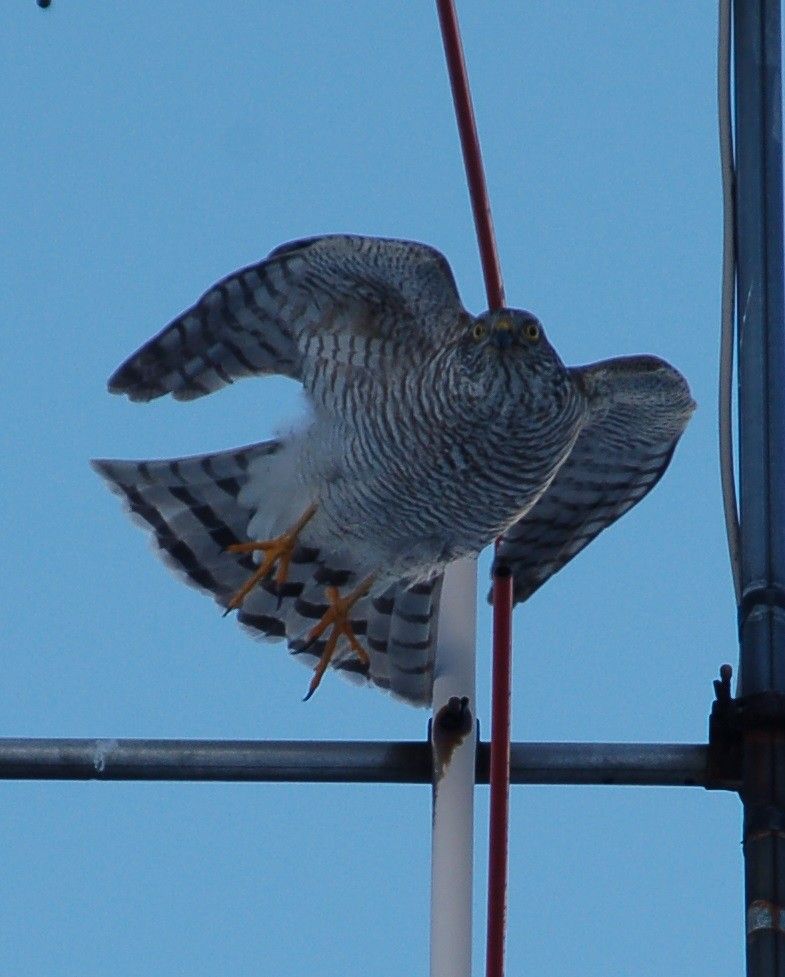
(498,835)
(502,581)
(472,157)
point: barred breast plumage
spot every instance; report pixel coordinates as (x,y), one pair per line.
(434,432)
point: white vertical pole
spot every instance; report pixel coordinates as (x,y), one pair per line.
(454,742)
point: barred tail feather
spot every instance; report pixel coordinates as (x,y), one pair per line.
(402,632)
(397,627)
(195,508)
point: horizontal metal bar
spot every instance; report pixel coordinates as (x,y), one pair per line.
(622,764)
(635,764)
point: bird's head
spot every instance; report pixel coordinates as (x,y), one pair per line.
(505,329)
(511,342)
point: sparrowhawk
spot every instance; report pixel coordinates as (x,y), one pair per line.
(433,432)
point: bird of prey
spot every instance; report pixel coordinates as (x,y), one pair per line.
(433,432)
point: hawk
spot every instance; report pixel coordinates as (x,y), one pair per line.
(432,433)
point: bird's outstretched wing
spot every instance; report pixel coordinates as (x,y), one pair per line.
(349,300)
(639,409)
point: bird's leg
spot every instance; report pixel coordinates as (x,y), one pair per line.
(277,550)
(337,616)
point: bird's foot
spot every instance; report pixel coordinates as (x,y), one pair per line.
(276,551)
(337,617)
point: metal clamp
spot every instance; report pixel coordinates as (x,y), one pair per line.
(730,719)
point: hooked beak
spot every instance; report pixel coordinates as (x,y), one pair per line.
(502,334)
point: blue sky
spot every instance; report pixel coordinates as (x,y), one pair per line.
(150,149)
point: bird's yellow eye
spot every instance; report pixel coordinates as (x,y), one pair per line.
(478,331)
(532,331)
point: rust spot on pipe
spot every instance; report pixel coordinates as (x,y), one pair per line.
(763,916)
(452,724)
(763,835)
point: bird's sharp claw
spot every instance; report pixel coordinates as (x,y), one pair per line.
(337,617)
(276,551)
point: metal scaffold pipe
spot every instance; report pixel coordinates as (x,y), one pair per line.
(761,369)
(453,758)
(348,761)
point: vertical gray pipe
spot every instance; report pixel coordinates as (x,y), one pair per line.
(454,764)
(761,346)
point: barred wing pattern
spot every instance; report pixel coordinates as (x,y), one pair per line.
(375,332)
(194,509)
(641,406)
(341,298)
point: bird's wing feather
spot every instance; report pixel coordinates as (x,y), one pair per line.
(639,407)
(342,298)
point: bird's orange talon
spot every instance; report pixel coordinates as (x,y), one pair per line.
(337,616)
(276,551)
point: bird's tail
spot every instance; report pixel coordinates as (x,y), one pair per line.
(196,508)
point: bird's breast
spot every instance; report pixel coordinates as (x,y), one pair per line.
(423,472)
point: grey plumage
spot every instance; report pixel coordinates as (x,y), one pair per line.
(638,409)
(434,432)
